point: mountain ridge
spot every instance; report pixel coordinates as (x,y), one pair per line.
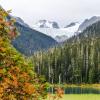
(69,30)
(30,40)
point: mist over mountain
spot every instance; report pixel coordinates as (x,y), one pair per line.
(61,39)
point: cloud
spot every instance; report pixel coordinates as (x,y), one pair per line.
(63,11)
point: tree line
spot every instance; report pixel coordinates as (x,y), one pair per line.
(75,62)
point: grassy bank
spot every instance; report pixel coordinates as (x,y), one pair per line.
(80,97)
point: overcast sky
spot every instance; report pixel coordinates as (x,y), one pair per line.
(62,11)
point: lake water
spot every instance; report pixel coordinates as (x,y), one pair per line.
(78,90)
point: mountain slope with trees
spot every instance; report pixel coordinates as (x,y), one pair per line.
(77,61)
(29,40)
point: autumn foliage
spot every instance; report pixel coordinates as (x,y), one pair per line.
(17,78)
(59,92)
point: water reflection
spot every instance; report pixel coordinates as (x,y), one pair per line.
(77,90)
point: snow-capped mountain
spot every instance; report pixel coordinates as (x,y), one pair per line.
(52,29)
(59,34)
(88,22)
(30,40)
(46,24)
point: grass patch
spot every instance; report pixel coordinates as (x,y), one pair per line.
(80,97)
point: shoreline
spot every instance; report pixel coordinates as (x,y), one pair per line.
(95,86)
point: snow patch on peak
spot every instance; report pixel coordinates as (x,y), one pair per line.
(71,24)
(46,24)
(61,34)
